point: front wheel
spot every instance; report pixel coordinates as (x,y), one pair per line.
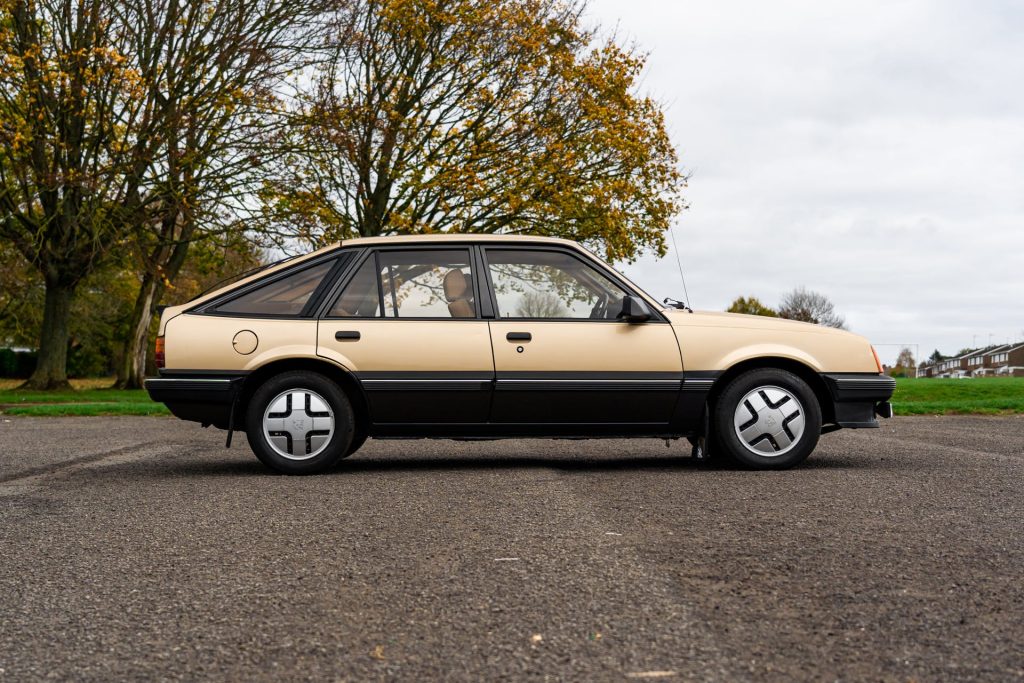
(767,419)
(299,423)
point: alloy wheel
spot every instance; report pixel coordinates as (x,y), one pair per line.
(769,421)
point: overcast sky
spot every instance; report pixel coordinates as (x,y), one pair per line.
(873,151)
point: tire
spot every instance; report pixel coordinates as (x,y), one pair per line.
(358,439)
(767,419)
(305,439)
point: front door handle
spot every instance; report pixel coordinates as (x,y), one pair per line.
(347,335)
(518,336)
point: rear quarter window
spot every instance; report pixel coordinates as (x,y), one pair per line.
(286,296)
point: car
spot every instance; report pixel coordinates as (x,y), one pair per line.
(490,336)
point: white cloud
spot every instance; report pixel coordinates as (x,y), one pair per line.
(872,151)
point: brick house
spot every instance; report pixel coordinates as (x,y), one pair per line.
(973,362)
(1004,360)
(952,367)
(1009,361)
(987,368)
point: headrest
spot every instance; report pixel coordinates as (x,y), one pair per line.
(456,286)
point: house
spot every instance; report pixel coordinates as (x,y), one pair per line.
(1006,360)
(1009,361)
(987,368)
(952,367)
(973,362)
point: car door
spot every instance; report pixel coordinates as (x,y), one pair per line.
(561,355)
(407,324)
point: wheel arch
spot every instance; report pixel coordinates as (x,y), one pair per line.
(342,377)
(801,370)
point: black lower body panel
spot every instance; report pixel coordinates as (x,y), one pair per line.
(509,430)
(207,400)
(427,397)
(584,398)
(860,397)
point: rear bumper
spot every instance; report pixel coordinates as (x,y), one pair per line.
(199,399)
(859,398)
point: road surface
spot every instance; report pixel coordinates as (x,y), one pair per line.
(139,548)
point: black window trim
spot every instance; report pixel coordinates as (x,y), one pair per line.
(374,252)
(210,307)
(339,281)
(656,316)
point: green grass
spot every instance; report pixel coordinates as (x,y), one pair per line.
(87,409)
(86,399)
(977,396)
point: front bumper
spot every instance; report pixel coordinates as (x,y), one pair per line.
(859,398)
(199,399)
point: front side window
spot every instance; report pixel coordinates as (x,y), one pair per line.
(429,283)
(285,297)
(551,285)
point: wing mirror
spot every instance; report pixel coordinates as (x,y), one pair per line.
(634,310)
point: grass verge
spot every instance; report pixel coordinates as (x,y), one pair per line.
(88,397)
(976,396)
(86,409)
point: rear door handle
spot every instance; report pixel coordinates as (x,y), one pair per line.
(519,336)
(347,335)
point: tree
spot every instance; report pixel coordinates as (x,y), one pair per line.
(21,299)
(477,116)
(540,305)
(810,307)
(751,306)
(905,364)
(114,112)
(936,357)
(76,135)
(905,359)
(221,71)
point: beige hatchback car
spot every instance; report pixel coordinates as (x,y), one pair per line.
(469,336)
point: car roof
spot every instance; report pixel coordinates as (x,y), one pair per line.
(451,237)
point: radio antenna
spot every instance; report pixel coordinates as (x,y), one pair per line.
(679,263)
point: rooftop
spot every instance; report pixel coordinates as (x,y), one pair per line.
(450,237)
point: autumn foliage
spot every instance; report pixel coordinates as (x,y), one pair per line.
(477,116)
(132,129)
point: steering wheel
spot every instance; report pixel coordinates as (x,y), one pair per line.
(600,309)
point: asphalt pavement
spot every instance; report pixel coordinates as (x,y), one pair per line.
(139,548)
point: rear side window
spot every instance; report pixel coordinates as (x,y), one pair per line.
(284,297)
(427,283)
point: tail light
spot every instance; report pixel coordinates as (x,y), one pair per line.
(158,353)
(878,363)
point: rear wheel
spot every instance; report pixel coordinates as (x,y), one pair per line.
(358,439)
(767,419)
(299,423)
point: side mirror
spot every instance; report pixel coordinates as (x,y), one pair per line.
(634,310)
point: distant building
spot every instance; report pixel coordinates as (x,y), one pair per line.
(952,367)
(1009,361)
(1006,360)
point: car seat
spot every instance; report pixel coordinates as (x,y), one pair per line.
(459,294)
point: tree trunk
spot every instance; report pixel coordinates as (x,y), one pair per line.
(52,365)
(132,369)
